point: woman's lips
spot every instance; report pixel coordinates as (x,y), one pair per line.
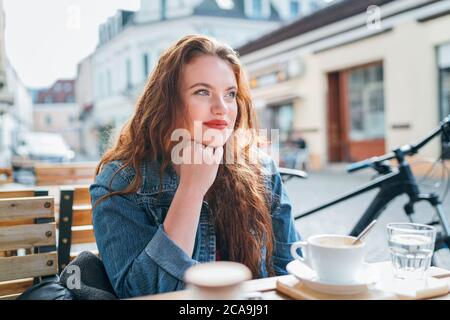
(216,124)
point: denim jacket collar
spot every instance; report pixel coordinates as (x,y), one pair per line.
(150,185)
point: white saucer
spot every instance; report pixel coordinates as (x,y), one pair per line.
(369,276)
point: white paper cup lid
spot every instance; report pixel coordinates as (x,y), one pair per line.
(217,274)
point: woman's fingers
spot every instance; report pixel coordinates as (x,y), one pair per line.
(200,171)
(201,154)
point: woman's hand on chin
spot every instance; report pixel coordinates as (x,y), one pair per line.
(199,166)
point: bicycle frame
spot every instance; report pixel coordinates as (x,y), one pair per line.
(393,184)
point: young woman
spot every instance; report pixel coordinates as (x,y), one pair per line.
(155,216)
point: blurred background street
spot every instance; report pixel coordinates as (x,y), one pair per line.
(341,218)
(341,81)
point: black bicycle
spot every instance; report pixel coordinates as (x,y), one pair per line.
(394,182)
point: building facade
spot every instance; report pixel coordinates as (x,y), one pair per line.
(15,103)
(55,111)
(356,79)
(85,99)
(130,44)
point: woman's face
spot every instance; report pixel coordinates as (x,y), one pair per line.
(208,91)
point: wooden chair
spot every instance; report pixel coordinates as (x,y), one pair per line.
(76,233)
(5,194)
(6,176)
(39,237)
(22,193)
(64,173)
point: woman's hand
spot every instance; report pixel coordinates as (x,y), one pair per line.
(199,167)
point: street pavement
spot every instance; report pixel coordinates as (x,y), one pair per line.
(340,219)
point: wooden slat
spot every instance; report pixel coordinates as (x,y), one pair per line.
(33,265)
(16,194)
(53,174)
(16,222)
(85,235)
(81,196)
(10,297)
(7,171)
(15,286)
(82,217)
(27,236)
(58,172)
(66,179)
(20,208)
(71,165)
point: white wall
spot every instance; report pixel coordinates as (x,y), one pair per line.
(23,106)
(85,83)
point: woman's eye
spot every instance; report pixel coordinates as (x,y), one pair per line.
(202,92)
(232,94)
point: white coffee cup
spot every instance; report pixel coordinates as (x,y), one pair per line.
(332,257)
(221,280)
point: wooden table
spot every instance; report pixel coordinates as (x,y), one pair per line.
(267,287)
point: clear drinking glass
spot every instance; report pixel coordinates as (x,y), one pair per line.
(411,246)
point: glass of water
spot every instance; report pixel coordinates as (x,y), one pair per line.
(411,246)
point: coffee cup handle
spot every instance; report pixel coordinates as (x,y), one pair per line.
(302,245)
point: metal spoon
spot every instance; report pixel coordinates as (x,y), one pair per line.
(364,232)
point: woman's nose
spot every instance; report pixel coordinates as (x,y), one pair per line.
(219,106)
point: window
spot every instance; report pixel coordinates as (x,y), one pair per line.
(145,63)
(366,103)
(58,87)
(128,68)
(282,118)
(294,8)
(67,87)
(257,8)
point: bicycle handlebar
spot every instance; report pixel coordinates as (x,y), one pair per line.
(361,165)
(405,150)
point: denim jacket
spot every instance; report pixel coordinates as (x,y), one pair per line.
(138,255)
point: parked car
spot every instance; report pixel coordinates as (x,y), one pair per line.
(44,147)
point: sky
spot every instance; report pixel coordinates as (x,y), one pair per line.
(45,39)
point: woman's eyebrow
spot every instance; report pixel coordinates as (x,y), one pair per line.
(202,84)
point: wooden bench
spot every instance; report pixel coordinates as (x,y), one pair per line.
(17,273)
(64,173)
(76,232)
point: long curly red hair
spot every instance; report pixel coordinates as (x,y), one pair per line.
(239,199)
